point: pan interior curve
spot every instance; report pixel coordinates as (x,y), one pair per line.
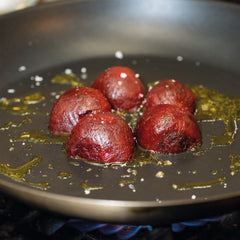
(204,174)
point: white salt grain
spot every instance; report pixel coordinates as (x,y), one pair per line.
(22,68)
(11,90)
(119,54)
(68,71)
(179,58)
(83,70)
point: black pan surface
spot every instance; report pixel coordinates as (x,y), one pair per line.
(195,42)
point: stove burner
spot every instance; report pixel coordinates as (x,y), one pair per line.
(178,227)
(123,232)
(21,222)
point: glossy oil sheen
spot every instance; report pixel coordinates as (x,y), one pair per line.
(211,106)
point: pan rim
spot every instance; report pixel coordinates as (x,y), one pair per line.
(66,2)
(20,187)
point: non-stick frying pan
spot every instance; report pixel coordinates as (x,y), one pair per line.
(195,42)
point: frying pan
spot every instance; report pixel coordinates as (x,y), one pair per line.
(195,42)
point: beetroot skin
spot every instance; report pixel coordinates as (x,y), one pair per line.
(171,92)
(167,129)
(101,137)
(72,105)
(121,87)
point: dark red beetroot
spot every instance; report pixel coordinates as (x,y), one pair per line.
(73,104)
(167,129)
(171,92)
(101,137)
(121,87)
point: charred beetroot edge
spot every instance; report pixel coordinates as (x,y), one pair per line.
(101,137)
(167,129)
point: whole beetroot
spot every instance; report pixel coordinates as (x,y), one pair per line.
(167,129)
(101,137)
(122,88)
(171,92)
(72,105)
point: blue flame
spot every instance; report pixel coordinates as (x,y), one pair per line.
(178,227)
(85,226)
(123,232)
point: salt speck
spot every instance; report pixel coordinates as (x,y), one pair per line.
(53,93)
(83,70)
(137,75)
(150,88)
(11,90)
(87,191)
(140,95)
(36,78)
(123,75)
(132,187)
(23,143)
(38,84)
(193,196)
(84,76)
(22,68)
(225,185)
(119,83)
(119,54)
(142,179)
(179,58)
(158,200)
(68,71)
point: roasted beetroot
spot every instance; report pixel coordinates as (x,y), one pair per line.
(101,137)
(73,104)
(167,129)
(122,88)
(171,92)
